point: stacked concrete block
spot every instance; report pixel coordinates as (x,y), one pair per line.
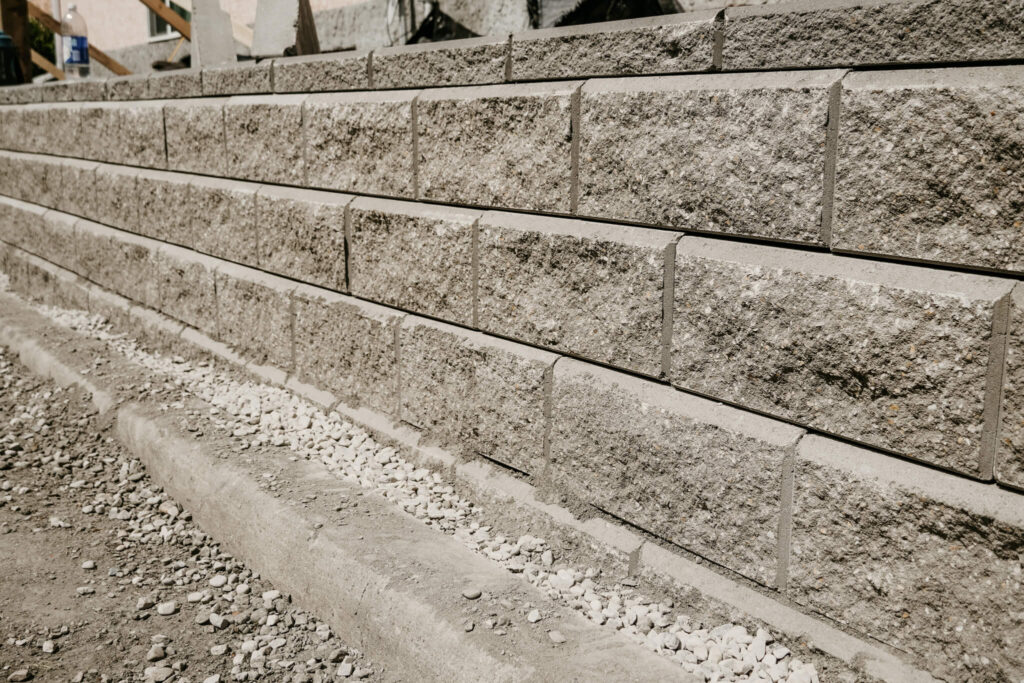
(360,142)
(474,393)
(239,78)
(702,475)
(129,133)
(348,347)
(587,289)
(41,281)
(21,225)
(929,167)
(263,138)
(126,88)
(223,219)
(116,260)
(74,90)
(474,61)
(740,154)
(186,283)
(31,178)
(176,83)
(254,314)
(415,257)
(21,94)
(322,73)
(898,357)
(654,45)
(114,199)
(1009,460)
(499,146)
(923,561)
(302,234)
(76,183)
(196,136)
(164,201)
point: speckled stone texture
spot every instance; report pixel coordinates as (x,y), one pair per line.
(264,138)
(321,73)
(85,90)
(654,45)
(695,472)
(18,219)
(186,287)
(735,153)
(127,133)
(589,289)
(890,355)
(40,281)
(254,314)
(35,179)
(413,256)
(118,261)
(76,178)
(164,207)
(242,78)
(504,146)
(21,94)
(302,234)
(348,347)
(926,166)
(360,142)
(224,219)
(114,198)
(30,227)
(474,61)
(817,33)
(925,561)
(131,87)
(195,136)
(1009,461)
(177,83)
(475,394)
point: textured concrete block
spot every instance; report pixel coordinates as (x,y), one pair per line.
(167,85)
(195,136)
(21,225)
(35,179)
(898,357)
(21,94)
(413,256)
(126,88)
(238,78)
(474,61)
(817,33)
(302,234)
(117,260)
(74,90)
(127,133)
(224,219)
(503,146)
(709,153)
(925,166)
(700,474)
(186,284)
(348,347)
(76,184)
(653,45)
(1009,461)
(165,207)
(360,142)
(588,289)
(114,198)
(474,393)
(264,138)
(323,72)
(922,560)
(254,314)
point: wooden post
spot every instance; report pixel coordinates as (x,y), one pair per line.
(14,22)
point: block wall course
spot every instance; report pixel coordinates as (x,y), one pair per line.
(21,94)
(124,88)
(129,133)
(240,78)
(473,61)
(164,207)
(898,357)
(413,256)
(264,138)
(702,475)
(21,225)
(76,183)
(175,83)
(196,136)
(74,90)
(223,219)
(116,260)
(323,72)
(113,198)
(583,288)
(927,164)
(709,153)
(187,290)
(254,314)
(1009,461)
(925,562)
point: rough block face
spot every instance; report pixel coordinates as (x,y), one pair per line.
(117,261)
(254,314)
(195,136)
(114,197)
(474,61)
(474,393)
(224,219)
(360,142)
(129,133)
(21,94)
(165,85)
(919,559)
(347,347)
(893,356)
(854,32)
(187,288)
(76,183)
(584,288)
(46,234)
(164,201)
(412,256)
(124,88)
(319,73)
(926,167)
(695,472)
(302,234)
(654,45)
(502,146)
(244,78)
(1009,462)
(748,139)
(264,138)
(37,179)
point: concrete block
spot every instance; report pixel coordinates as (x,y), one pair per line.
(1009,461)
(74,90)
(196,136)
(242,78)
(114,198)
(129,133)
(817,33)
(176,83)
(21,94)
(745,139)
(322,73)
(212,42)
(302,234)
(263,136)
(22,225)
(654,45)
(126,88)
(224,219)
(501,146)
(475,394)
(165,207)
(348,347)
(41,281)
(924,561)
(76,183)
(120,261)
(897,357)
(413,256)
(360,142)
(254,314)
(186,284)
(588,289)
(697,473)
(36,179)
(473,61)
(924,166)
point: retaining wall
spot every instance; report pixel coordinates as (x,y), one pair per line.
(769,311)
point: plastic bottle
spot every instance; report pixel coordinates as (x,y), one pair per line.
(76,44)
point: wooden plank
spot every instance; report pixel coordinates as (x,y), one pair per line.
(48,22)
(170,16)
(47,66)
(14,21)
